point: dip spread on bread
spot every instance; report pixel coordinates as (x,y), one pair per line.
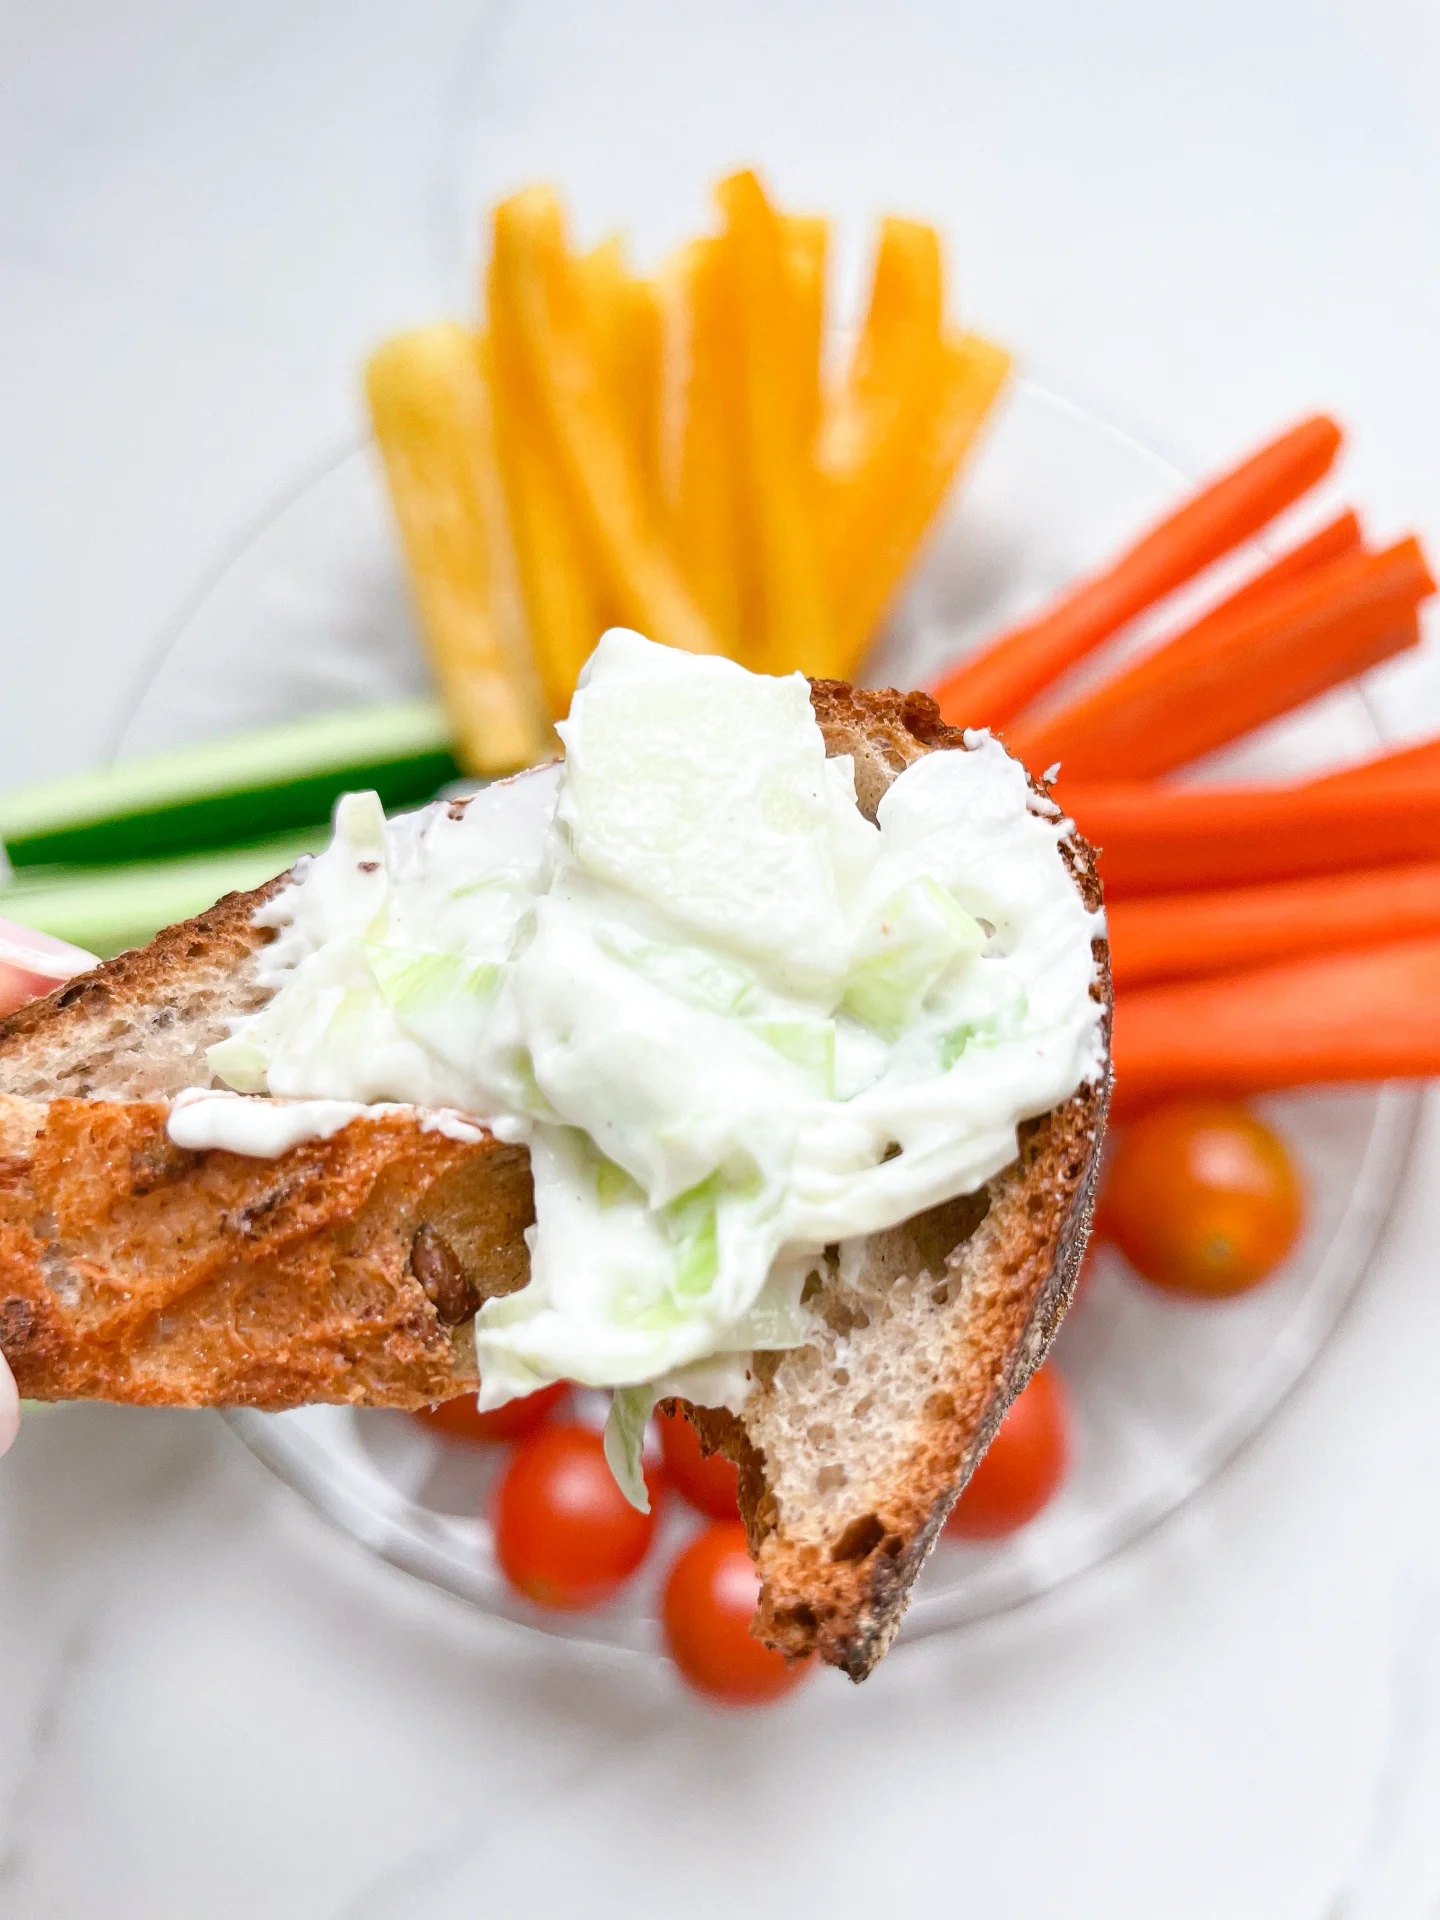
(732,1020)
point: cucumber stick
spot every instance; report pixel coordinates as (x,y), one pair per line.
(244,788)
(106,909)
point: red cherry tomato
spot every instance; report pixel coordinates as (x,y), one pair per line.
(565,1535)
(1202,1198)
(460,1420)
(709,1603)
(1022,1467)
(708,1481)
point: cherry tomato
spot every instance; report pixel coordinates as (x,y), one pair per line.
(1022,1467)
(565,1535)
(708,1481)
(459,1419)
(1202,1198)
(709,1603)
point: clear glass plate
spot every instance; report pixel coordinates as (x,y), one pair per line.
(312,614)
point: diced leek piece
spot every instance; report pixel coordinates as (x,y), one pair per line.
(630,1410)
(614,1185)
(107,909)
(227,791)
(240,1063)
(917,937)
(808,1044)
(694,1232)
(442,999)
(701,979)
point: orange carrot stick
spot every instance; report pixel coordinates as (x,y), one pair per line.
(1228,674)
(1177,839)
(1354,1016)
(1338,536)
(1181,935)
(1403,763)
(993,687)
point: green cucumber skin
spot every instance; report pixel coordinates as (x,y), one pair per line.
(109,909)
(221,819)
(240,787)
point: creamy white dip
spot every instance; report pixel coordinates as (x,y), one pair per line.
(732,1019)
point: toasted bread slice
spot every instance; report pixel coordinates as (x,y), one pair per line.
(348,1269)
(853,1448)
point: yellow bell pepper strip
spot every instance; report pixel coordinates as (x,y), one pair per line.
(430,404)
(562,598)
(872,547)
(534,279)
(795,624)
(700,443)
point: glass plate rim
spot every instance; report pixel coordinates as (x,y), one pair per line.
(300,1464)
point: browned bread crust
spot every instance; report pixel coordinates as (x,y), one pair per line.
(136,1027)
(853,1449)
(349,1269)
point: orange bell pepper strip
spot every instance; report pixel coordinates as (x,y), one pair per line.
(563,595)
(778,374)
(623,313)
(562,601)
(882,517)
(894,361)
(806,239)
(700,438)
(533,275)
(430,402)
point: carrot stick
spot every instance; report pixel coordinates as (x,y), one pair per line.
(1353,1016)
(1424,757)
(992,688)
(1186,934)
(1228,674)
(1177,839)
(1338,536)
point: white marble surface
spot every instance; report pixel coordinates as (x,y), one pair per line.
(1209,217)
